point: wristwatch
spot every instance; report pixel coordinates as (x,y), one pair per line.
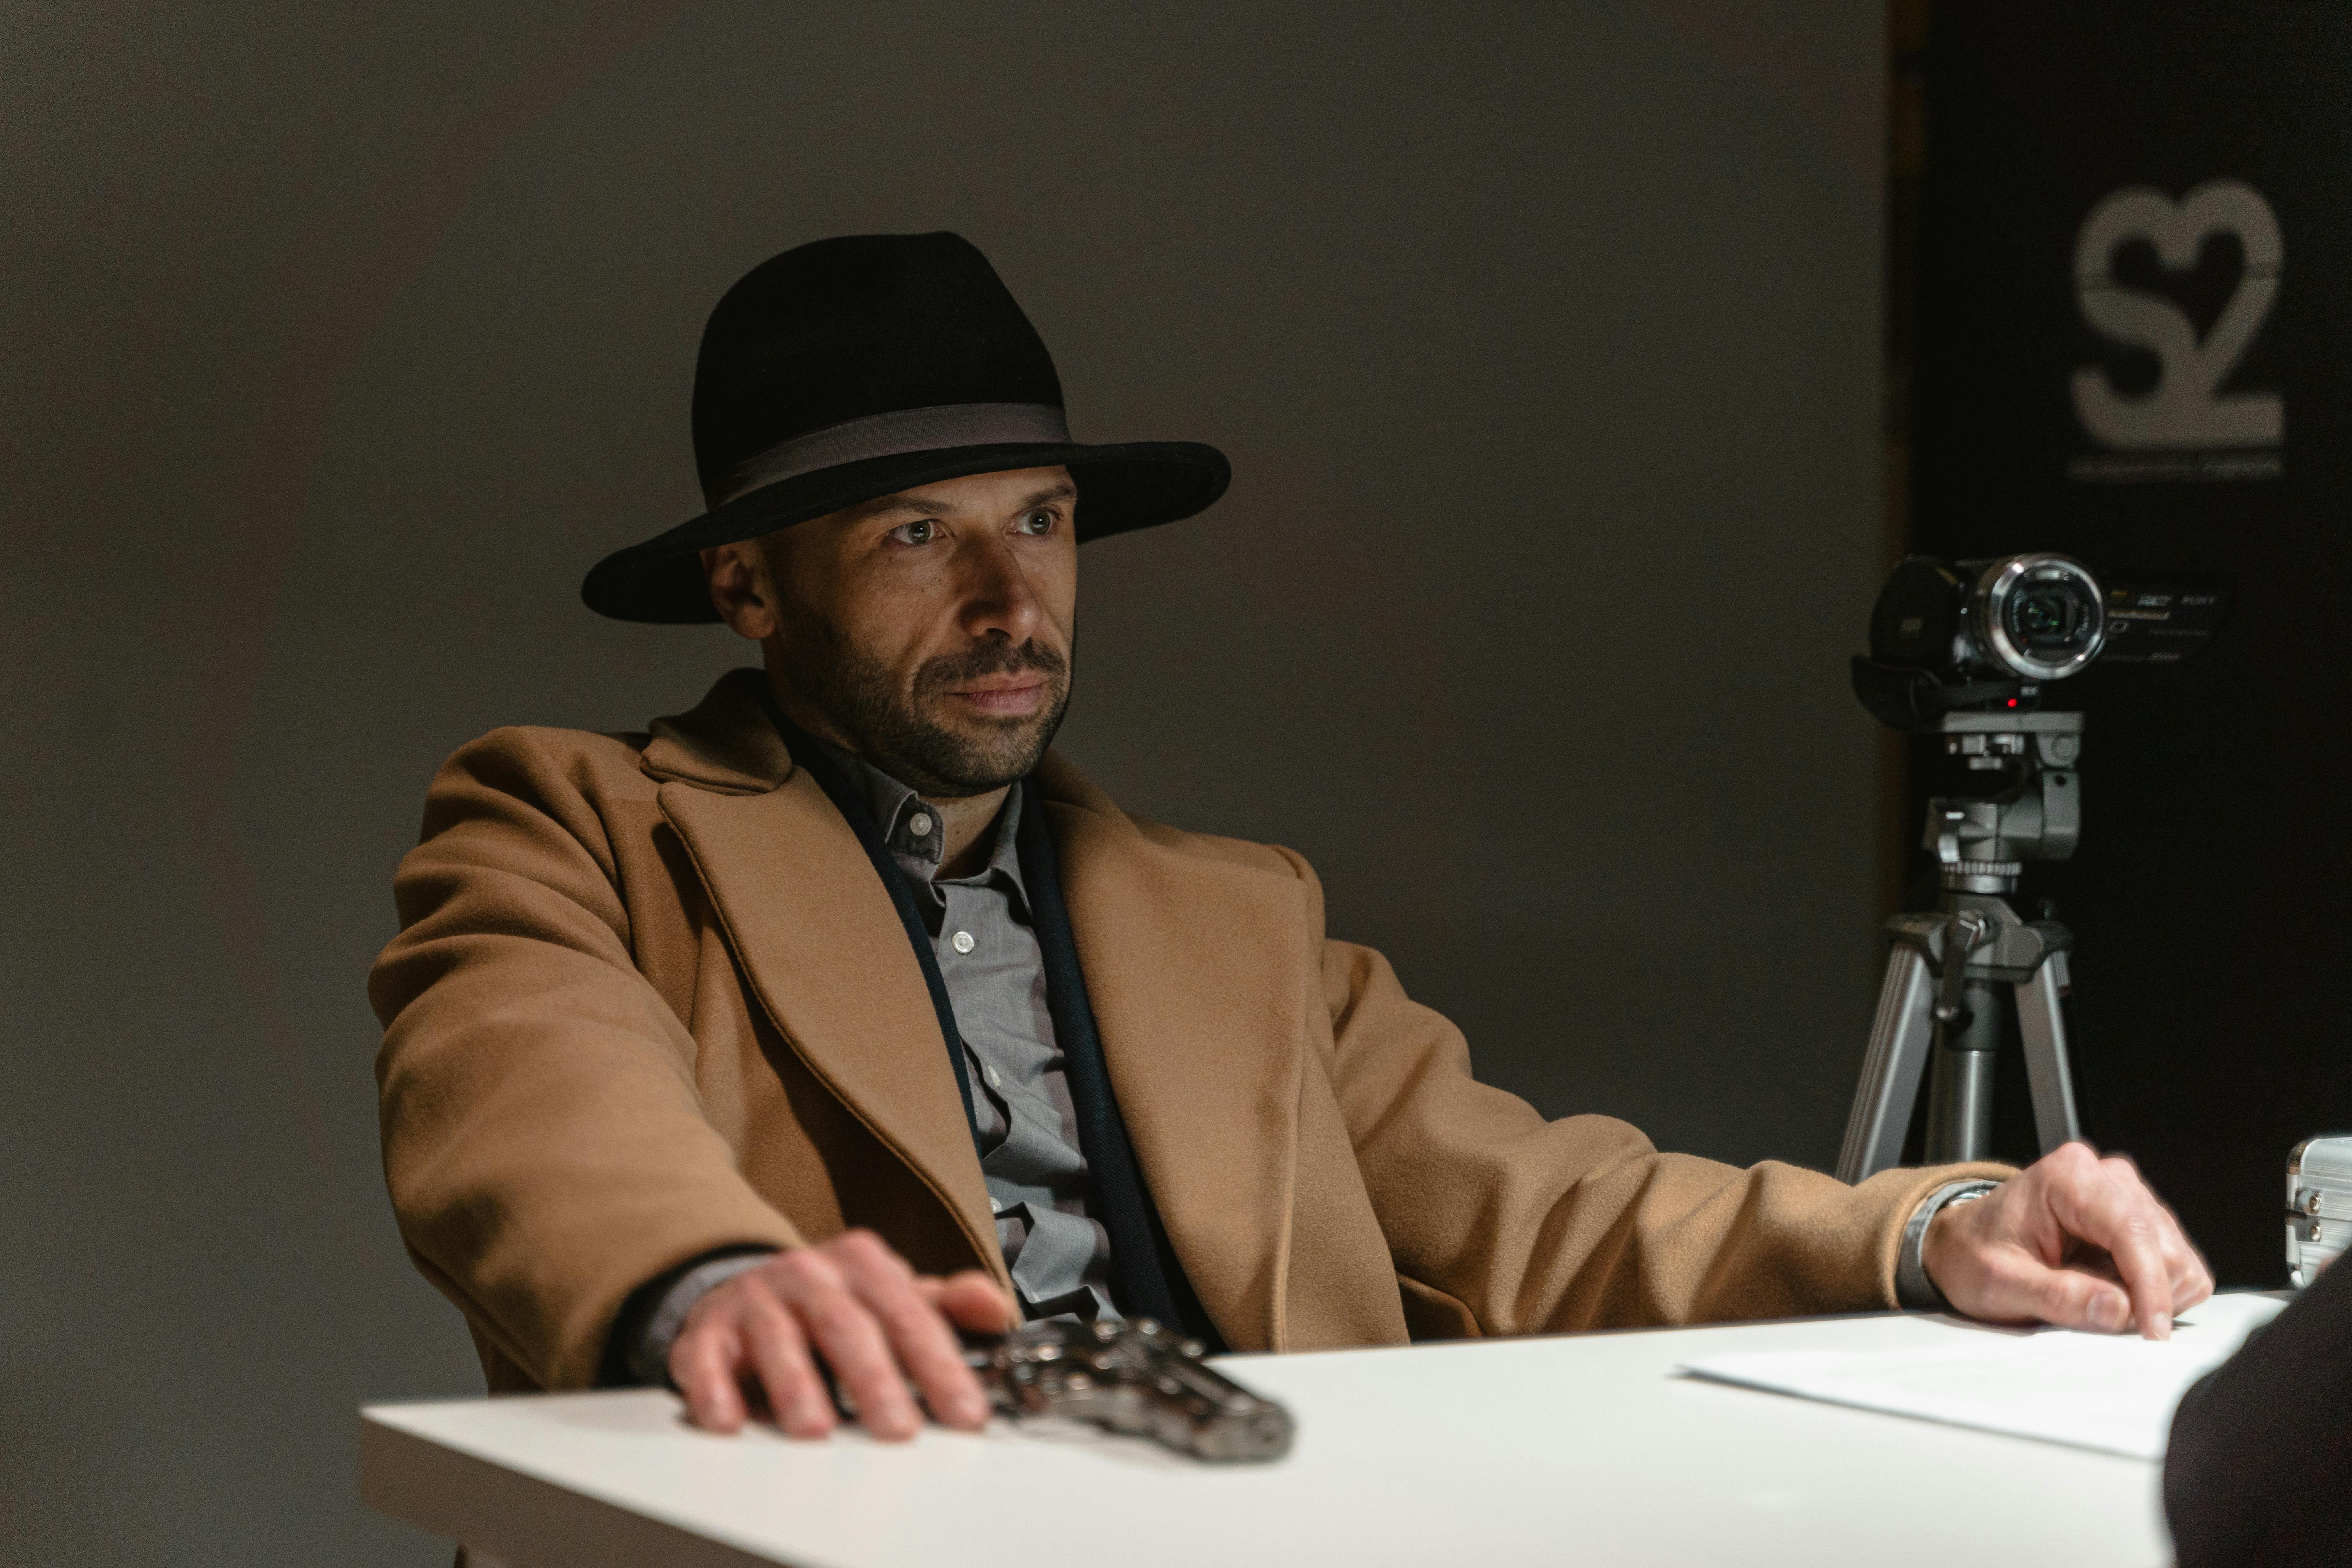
(1914,1291)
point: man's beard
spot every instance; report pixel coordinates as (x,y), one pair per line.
(857,694)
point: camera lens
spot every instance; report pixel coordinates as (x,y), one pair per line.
(2043,618)
(2039,617)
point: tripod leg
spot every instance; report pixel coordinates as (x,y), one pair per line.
(1891,1069)
(1959,1097)
(2042,1030)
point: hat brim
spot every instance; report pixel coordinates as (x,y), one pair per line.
(1120,488)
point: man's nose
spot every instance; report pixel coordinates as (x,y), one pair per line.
(997,596)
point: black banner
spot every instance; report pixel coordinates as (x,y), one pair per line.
(2134,345)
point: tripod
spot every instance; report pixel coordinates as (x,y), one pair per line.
(1942,969)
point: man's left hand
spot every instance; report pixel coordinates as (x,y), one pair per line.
(2074,1240)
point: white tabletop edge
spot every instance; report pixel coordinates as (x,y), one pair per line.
(1607,1416)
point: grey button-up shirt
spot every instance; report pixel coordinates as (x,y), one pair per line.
(995,975)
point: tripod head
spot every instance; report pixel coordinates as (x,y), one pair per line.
(2028,808)
(2013,795)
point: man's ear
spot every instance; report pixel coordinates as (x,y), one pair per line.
(739,589)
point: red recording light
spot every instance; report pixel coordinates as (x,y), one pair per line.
(2013,702)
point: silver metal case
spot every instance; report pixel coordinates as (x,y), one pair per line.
(2318,1204)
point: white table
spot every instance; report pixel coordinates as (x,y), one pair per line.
(1585,1449)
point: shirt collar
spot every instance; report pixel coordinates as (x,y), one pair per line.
(897,810)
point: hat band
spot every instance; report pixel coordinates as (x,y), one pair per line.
(895,434)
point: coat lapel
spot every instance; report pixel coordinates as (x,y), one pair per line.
(819,943)
(1200,972)
(1196,968)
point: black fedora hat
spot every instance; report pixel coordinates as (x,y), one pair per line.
(849,369)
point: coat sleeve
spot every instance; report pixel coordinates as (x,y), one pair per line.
(1501,1221)
(543,1140)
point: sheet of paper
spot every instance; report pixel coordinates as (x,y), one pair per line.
(2090,1391)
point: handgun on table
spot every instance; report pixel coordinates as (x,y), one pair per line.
(1133,1377)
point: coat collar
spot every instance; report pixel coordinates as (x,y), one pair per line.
(723,743)
(1203,1053)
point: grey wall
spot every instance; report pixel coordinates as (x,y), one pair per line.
(339,340)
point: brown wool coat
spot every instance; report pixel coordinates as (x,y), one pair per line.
(649,999)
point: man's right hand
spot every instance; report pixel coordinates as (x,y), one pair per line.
(886,1332)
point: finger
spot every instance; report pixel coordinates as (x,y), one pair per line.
(2194,1286)
(2024,1288)
(2192,1279)
(972,1301)
(796,1392)
(703,1362)
(2188,1276)
(2140,1260)
(2093,1261)
(2184,1265)
(919,1335)
(925,1347)
(2202,1283)
(852,1343)
(2107,1206)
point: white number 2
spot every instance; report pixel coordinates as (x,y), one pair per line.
(2183,409)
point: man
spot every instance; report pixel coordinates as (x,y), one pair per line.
(839,1012)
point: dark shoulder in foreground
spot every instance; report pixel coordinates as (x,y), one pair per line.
(2259,1469)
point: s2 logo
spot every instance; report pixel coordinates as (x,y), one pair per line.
(2184,409)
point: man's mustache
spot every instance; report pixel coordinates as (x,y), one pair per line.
(990,659)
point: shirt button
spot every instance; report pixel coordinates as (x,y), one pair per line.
(961,941)
(994,1081)
(920,825)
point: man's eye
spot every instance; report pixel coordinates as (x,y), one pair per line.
(922,531)
(1040,521)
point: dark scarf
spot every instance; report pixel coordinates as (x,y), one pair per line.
(1148,1280)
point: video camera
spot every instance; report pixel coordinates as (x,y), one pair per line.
(1985,635)
(1962,651)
